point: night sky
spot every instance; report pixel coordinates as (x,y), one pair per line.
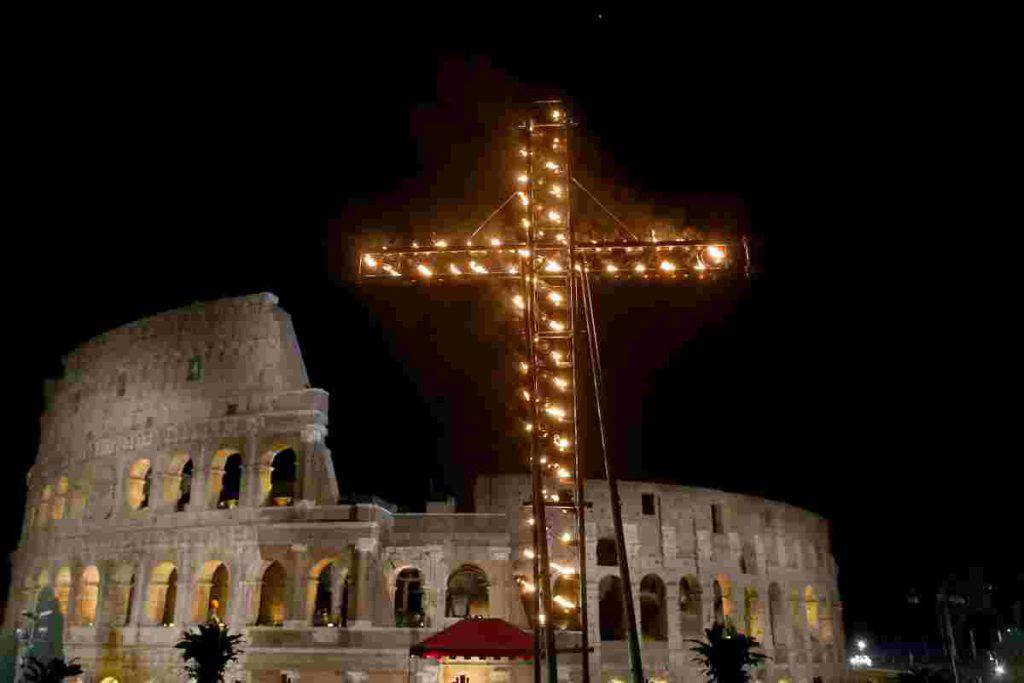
(862,373)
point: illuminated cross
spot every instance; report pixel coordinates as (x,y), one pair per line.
(545,270)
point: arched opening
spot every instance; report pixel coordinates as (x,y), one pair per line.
(775,612)
(62,589)
(718,604)
(611,612)
(184,486)
(60,500)
(409,598)
(723,599)
(283,479)
(565,602)
(272,596)
(89,595)
(689,605)
(468,593)
(212,592)
(753,614)
(811,605)
(163,593)
(140,481)
(230,482)
(323,598)
(606,553)
(653,620)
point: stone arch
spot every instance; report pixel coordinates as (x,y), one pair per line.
(566,602)
(60,500)
(213,589)
(163,594)
(409,609)
(653,620)
(607,554)
(323,592)
(611,610)
(775,612)
(139,484)
(753,614)
(177,480)
(723,607)
(62,589)
(468,593)
(88,595)
(282,478)
(225,479)
(689,605)
(273,592)
(811,608)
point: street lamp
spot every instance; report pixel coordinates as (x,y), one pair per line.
(861,645)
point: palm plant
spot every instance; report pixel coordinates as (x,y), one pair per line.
(726,654)
(53,671)
(208,650)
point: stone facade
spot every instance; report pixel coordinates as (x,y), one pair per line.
(183,473)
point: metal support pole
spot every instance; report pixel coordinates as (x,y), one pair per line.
(635,661)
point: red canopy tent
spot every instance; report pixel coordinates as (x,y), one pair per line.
(483,638)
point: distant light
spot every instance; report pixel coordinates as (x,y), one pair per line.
(667,266)
(716,253)
(440,244)
(556,325)
(556,114)
(519,302)
(861,645)
(553,267)
(554,297)
(370,261)
(523,178)
(611,268)
(495,242)
(455,269)
(554,216)
(528,553)
(1000,669)
(639,268)
(424,271)
(860,660)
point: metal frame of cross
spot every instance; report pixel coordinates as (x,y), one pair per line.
(547,271)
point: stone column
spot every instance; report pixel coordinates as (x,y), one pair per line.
(312,470)
(202,459)
(184,601)
(296,589)
(365,547)
(141,598)
(244,603)
(251,494)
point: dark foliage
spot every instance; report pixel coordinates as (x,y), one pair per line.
(207,650)
(726,654)
(53,671)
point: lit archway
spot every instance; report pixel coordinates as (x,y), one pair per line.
(272,610)
(163,594)
(60,500)
(322,582)
(225,479)
(753,614)
(409,598)
(212,592)
(45,502)
(140,479)
(89,595)
(283,479)
(811,606)
(468,593)
(62,589)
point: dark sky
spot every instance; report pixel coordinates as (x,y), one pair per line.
(865,372)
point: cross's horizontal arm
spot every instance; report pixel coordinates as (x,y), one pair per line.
(665,259)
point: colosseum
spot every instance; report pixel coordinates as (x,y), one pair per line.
(183,473)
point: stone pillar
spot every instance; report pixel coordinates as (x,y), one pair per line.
(188,584)
(251,494)
(356,677)
(202,458)
(365,547)
(675,633)
(296,613)
(141,598)
(308,462)
(244,603)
